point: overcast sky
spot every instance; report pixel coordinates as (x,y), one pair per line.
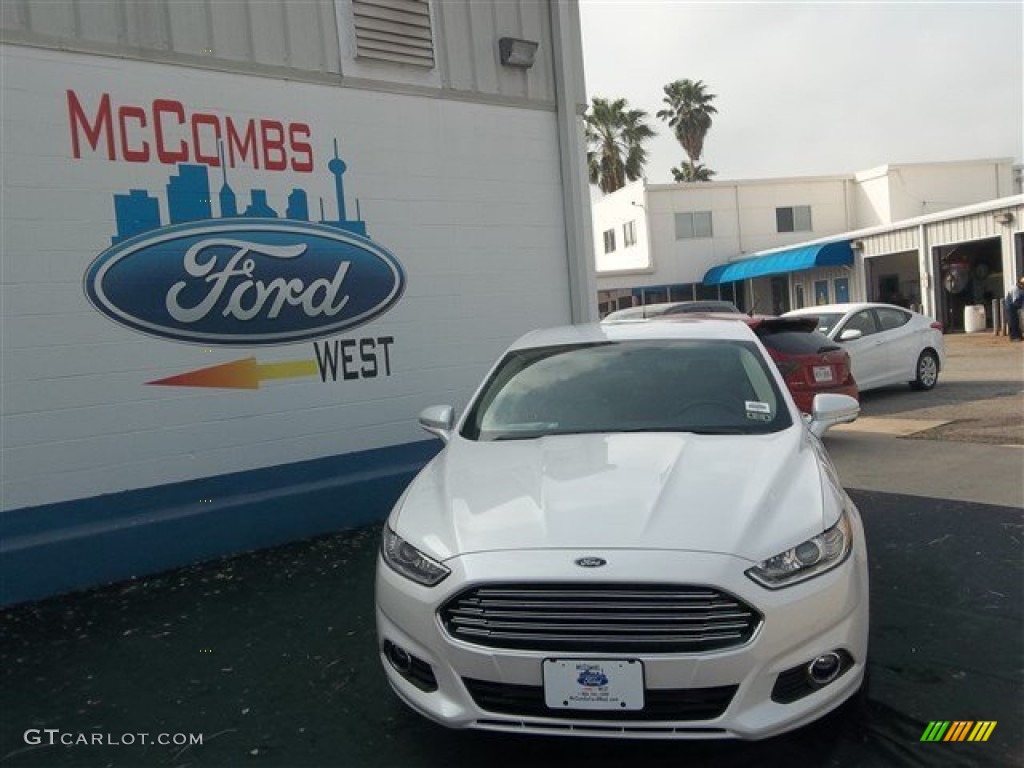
(818,88)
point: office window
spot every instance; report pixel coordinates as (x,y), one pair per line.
(628,234)
(693,224)
(609,240)
(796,218)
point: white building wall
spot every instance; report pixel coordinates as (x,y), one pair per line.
(917,190)
(872,205)
(480,233)
(743,221)
(618,209)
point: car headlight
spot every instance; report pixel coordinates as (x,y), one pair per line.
(813,557)
(404,558)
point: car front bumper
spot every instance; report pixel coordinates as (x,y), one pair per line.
(801,622)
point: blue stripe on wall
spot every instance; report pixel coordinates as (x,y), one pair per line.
(57,548)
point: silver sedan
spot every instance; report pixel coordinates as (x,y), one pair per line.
(887,344)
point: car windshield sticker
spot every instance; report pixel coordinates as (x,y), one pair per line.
(758,411)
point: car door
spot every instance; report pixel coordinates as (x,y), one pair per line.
(867,353)
(900,344)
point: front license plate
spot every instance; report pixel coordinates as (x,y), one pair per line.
(594,684)
(822,373)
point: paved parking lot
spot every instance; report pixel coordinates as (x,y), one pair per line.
(271,656)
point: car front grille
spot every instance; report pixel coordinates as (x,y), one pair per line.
(668,705)
(603,618)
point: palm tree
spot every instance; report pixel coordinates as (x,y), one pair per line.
(689,172)
(689,115)
(615,137)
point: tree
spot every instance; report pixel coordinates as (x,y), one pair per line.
(689,114)
(690,172)
(615,136)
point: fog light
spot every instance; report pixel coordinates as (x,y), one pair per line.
(824,669)
(399,657)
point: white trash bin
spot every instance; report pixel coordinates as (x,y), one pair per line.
(974,318)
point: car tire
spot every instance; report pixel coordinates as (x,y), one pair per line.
(927,371)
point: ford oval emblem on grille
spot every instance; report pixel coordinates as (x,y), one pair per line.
(590,562)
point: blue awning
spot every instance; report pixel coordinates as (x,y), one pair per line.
(792,260)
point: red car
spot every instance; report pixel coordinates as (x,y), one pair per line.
(810,362)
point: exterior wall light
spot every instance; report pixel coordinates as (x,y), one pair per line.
(517,53)
(1004,217)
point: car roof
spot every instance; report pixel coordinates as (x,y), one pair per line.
(641,311)
(843,308)
(679,327)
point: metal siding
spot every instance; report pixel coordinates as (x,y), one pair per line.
(461,75)
(12,14)
(304,29)
(330,45)
(483,47)
(190,28)
(230,30)
(470,39)
(101,21)
(963,229)
(536,20)
(276,33)
(890,242)
(56,19)
(512,80)
(268,24)
(147,24)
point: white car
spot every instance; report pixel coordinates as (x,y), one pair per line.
(887,344)
(631,532)
(669,308)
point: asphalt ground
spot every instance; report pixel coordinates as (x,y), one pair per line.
(271,656)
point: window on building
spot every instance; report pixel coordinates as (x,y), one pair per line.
(628,234)
(796,218)
(798,291)
(609,240)
(693,224)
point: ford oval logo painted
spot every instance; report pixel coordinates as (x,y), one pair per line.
(590,562)
(243,282)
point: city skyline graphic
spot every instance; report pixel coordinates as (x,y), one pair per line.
(188,199)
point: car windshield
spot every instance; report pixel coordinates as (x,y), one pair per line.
(707,387)
(792,342)
(827,321)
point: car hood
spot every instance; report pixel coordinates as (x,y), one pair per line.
(751,496)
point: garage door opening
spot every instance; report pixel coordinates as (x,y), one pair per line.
(970,274)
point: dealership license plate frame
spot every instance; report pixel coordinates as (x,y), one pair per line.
(623,691)
(823,374)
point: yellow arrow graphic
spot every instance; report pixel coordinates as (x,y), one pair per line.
(240,374)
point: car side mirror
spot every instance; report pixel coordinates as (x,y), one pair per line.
(438,420)
(828,411)
(850,334)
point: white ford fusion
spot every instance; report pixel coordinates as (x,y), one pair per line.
(630,532)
